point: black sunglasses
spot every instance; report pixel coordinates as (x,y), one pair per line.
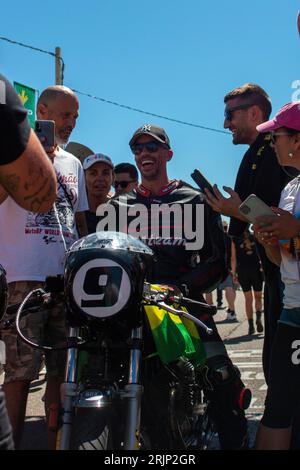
(151,147)
(123,184)
(228,112)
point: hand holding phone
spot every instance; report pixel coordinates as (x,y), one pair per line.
(45,131)
(201,181)
(254,207)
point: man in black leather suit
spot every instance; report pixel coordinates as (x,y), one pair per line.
(189,253)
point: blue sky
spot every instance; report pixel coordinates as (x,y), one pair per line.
(169,57)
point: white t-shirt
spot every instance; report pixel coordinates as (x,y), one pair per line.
(290,201)
(32,245)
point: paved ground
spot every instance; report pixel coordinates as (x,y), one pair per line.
(244,350)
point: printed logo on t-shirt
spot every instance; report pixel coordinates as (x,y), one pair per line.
(60,218)
(68,184)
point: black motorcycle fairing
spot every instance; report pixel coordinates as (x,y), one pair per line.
(104,275)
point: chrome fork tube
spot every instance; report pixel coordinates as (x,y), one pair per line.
(67,394)
(133,392)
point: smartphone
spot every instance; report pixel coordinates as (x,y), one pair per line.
(45,130)
(201,181)
(254,207)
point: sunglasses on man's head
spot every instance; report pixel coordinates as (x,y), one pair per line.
(151,147)
(228,112)
(123,184)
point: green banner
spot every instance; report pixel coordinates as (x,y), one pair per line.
(27,96)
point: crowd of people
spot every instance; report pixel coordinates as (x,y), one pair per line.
(48,203)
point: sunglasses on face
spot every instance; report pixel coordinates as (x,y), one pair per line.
(123,184)
(151,147)
(228,113)
(274,135)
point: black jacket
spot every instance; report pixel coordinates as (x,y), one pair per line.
(199,269)
(260,174)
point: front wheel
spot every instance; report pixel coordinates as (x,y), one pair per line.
(93,429)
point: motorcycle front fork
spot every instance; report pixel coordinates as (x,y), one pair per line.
(68,391)
(132,394)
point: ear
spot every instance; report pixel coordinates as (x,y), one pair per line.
(42,111)
(170,155)
(256,113)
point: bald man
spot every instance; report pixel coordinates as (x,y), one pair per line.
(33,247)
(60,104)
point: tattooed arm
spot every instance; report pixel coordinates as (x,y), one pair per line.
(30,180)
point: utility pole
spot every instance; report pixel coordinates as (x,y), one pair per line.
(58,67)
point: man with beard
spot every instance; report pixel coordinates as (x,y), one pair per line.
(33,247)
(260,173)
(60,104)
(245,108)
(191,267)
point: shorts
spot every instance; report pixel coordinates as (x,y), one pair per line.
(283,396)
(22,361)
(228,282)
(250,277)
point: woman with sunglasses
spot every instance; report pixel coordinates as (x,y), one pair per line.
(280,236)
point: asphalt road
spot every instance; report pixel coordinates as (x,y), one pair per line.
(244,350)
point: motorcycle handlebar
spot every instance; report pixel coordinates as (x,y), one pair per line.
(40,297)
(165,293)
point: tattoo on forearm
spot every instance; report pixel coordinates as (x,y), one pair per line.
(11,183)
(44,192)
(39,199)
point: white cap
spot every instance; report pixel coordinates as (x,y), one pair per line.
(97,157)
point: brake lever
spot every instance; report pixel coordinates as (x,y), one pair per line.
(187,315)
(212,308)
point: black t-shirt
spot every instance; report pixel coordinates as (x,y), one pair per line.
(14,125)
(260,174)
(91,221)
(246,254)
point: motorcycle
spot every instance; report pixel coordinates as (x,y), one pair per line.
(132,352)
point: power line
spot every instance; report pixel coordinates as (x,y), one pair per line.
(131,108)
(36,49)
(150,114)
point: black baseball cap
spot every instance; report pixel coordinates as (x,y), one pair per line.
(158,133)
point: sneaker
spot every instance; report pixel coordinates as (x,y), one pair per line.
(231,316)
(259,325)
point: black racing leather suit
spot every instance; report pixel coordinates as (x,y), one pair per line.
(194,270)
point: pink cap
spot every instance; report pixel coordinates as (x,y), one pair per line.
(287,116)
